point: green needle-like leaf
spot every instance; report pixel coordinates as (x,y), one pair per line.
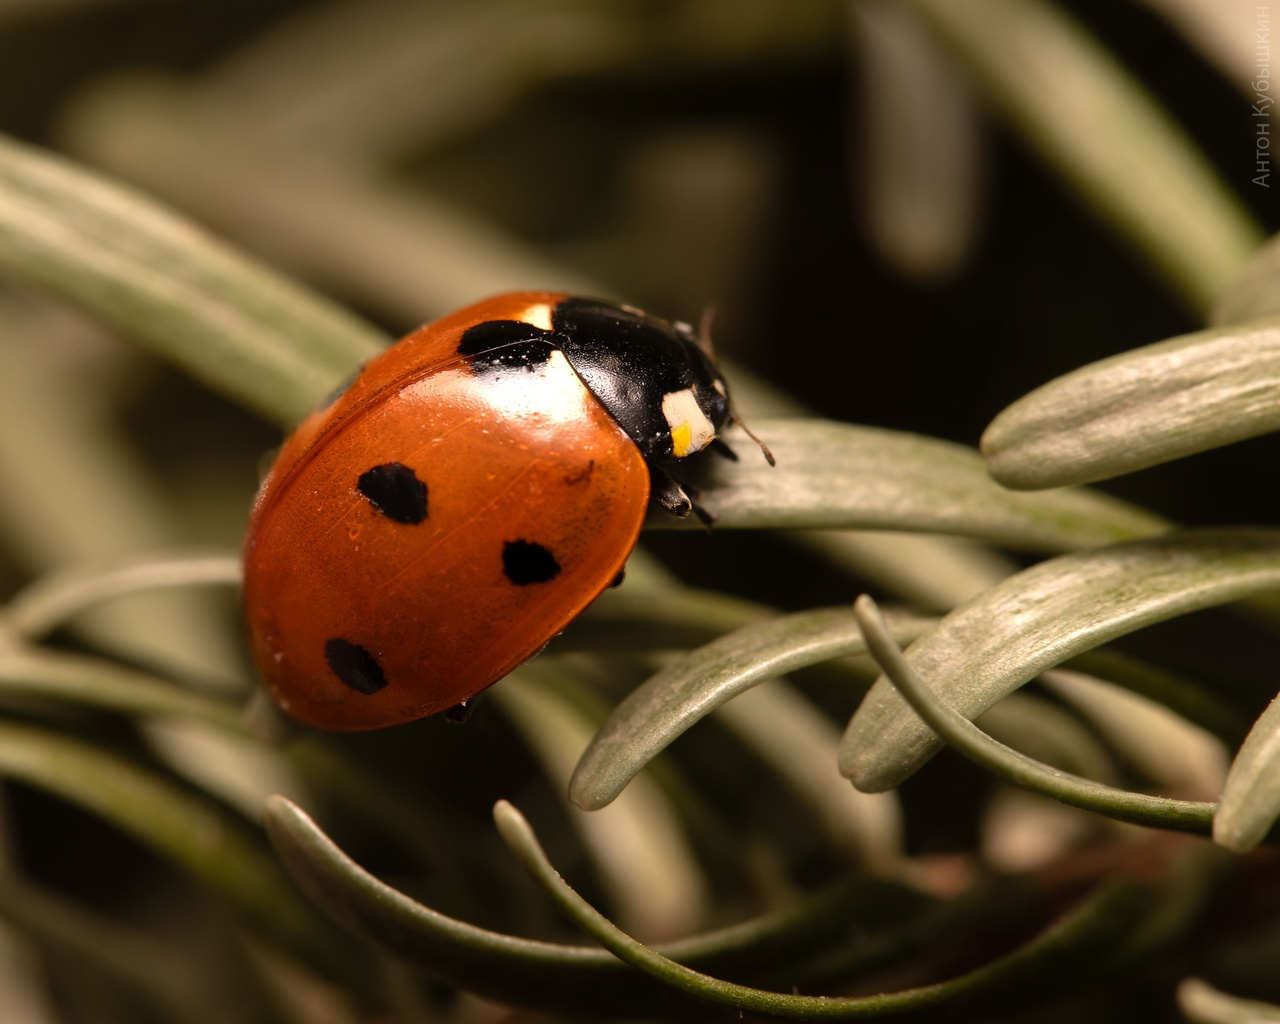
(548,975)
(1042,616)
(1254,293)
(1092,928)
(645,618)
(799,742)
(176,823)
(75,492)
(1007,763)
(149,273)
(50,601)
(1180,694)
(1201,1003)
(94,682)
(693,686)
(851,477)
(1250,799)
(1141,408)
(1172,752)
(639,841)
(919,139)
(148,964)
(1102,131)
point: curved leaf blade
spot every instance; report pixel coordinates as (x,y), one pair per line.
(1010,764)
(156,277)
(1201,1003)
(397,249)
(1140,408)
(1250,799)
(1171,751)
(95,682)
(838,475)
(693,686)
(1042,616)
(928,571)
(62,453)
(920,135)
(1254,293)
(798,741)
(639,841)
(548,975)
(1106,135)
(191,831)
(56,597)
(645,618)
(1096,925)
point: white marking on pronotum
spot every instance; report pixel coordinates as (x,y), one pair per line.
(538,314)
(691,431)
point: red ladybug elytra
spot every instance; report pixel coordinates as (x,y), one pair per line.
(474,488)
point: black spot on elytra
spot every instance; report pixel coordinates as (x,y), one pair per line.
(395,491)
(355,666)
(525,562)
(505,345)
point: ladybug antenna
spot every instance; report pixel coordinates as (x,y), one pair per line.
(703,340)
(736,420)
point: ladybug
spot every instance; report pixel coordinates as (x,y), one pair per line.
(473,489)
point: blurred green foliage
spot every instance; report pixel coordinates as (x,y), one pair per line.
(906,214)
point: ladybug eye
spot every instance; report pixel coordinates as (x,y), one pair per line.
(395,491)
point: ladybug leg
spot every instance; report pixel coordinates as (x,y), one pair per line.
(668,492)
(723,450)
(460,713)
